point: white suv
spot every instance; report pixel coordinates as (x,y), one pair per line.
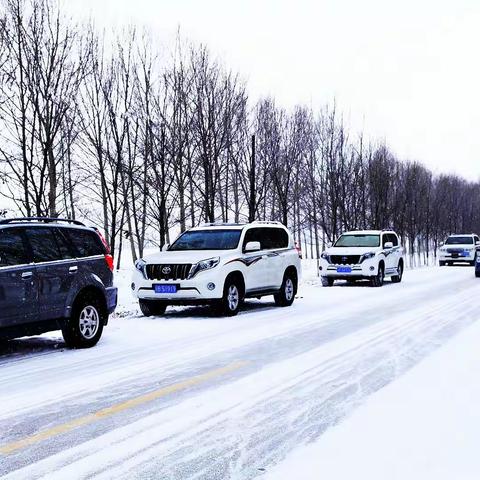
(365,254)
(459,248)
(220,264)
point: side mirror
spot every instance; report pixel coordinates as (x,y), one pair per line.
(388,245)
(165,247)
(253,247)
(329,245)
(442,244)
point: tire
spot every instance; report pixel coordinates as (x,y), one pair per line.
(442,263)
(327,282)
(398,278)
(152,308)
(231,301)
(85,326)
(286,295)
(377,280)
(477,273)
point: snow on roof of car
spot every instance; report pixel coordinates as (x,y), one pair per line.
(222,226)
(366,232)
(235,226)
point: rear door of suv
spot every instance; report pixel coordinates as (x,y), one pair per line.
(276,242)
(18,282)
(56,269)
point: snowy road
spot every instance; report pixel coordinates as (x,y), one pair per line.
(196,396)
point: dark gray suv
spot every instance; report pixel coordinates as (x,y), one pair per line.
(54,274)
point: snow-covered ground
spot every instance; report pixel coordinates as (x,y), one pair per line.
(426,425)
(192,395)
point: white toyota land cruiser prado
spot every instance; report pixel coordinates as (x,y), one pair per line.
(365,254)
(220,264)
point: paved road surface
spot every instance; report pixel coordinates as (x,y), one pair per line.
(194,396)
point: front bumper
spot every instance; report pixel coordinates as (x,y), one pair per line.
(194,290)
(368,268)
(465,256)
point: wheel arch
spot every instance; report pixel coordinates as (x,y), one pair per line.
(91,290)
(237,275)
(293,270)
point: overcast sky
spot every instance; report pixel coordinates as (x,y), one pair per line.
(404,71)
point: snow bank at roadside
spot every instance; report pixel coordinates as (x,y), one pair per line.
(426,425)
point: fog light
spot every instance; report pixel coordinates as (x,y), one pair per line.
(321,268)
(211,286)
(372,268)
(133,286)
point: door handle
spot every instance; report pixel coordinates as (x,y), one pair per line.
(73,269)
(27,275)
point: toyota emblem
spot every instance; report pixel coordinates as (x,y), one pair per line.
(166,270)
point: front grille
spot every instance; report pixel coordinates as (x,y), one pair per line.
(168,271)
(344,259)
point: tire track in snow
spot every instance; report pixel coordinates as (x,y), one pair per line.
(75,380)
(369,358)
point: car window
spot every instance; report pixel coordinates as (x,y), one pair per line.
(12,248)
(459,241)
(391,237)
(253,235)
(358,240)
(63,243)
(278,238)
(44,245)
(207,240)
(86,242)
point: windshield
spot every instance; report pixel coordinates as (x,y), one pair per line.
(358,240)
(459,241)
(208,240)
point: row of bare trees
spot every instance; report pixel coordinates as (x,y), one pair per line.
(102,127)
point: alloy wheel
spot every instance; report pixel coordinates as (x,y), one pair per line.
(89,322)
(233,297)
(289,289)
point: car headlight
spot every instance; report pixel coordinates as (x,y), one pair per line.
(366,256)
(325,256)
(203,265)
(141,266)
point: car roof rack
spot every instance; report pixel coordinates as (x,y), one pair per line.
(268,222)
(221,224)
(7,221)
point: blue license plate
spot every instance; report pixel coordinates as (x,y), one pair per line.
(344,269)
(165,288)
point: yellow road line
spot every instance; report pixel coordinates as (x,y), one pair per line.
(119,407)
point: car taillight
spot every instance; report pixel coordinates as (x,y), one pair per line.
(109,261)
